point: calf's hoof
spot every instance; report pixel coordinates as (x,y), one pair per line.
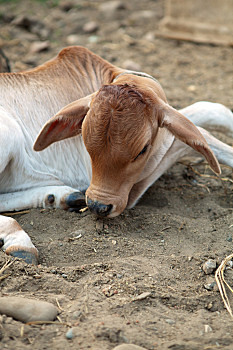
(28,257)
(75,200)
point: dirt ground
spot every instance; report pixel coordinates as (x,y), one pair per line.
(96,269)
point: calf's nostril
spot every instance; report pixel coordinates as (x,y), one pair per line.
(104,209)
(98,208)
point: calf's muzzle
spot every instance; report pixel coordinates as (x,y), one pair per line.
(98,208)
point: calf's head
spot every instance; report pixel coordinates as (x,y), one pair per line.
(119,125)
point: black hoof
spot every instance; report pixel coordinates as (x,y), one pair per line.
(28,257)
(76,200)
(1,242)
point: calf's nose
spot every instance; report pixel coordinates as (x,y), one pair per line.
(98,208)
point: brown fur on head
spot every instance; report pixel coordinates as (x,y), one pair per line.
(117,128)
(118,114)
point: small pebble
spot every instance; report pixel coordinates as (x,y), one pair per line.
(39,46)
(64,275)
(209,306)
(207,328)
(90,27)
(169,321)
(69,334)
(210,286)
(192,88)
(209,266)
(230,263)
(27,310)
(142,296)
(93,39)
(128,347)
(150,36)
(73,39)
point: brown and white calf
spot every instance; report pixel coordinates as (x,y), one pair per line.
(117,134)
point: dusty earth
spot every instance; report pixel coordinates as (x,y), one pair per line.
(95,270)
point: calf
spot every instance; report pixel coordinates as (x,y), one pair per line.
(130,137)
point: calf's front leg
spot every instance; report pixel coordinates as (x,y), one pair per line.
(13,239)
(63,197)
(16,242)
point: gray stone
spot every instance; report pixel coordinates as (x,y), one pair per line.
(211,284)
(27,310)
(72,333)
(69,334)
(209,266)
(169,321)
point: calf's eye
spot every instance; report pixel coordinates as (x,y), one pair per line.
(142,152)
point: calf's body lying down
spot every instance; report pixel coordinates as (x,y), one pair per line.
(117,134)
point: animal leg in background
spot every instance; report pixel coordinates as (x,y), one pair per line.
(210,116)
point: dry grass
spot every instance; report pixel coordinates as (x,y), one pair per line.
(223,286)
(7,264)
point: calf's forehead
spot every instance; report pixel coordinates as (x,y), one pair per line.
(119,115)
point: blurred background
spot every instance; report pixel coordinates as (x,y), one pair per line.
(128,34)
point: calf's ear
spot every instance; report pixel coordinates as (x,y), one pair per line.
(183,129)
(66,123)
